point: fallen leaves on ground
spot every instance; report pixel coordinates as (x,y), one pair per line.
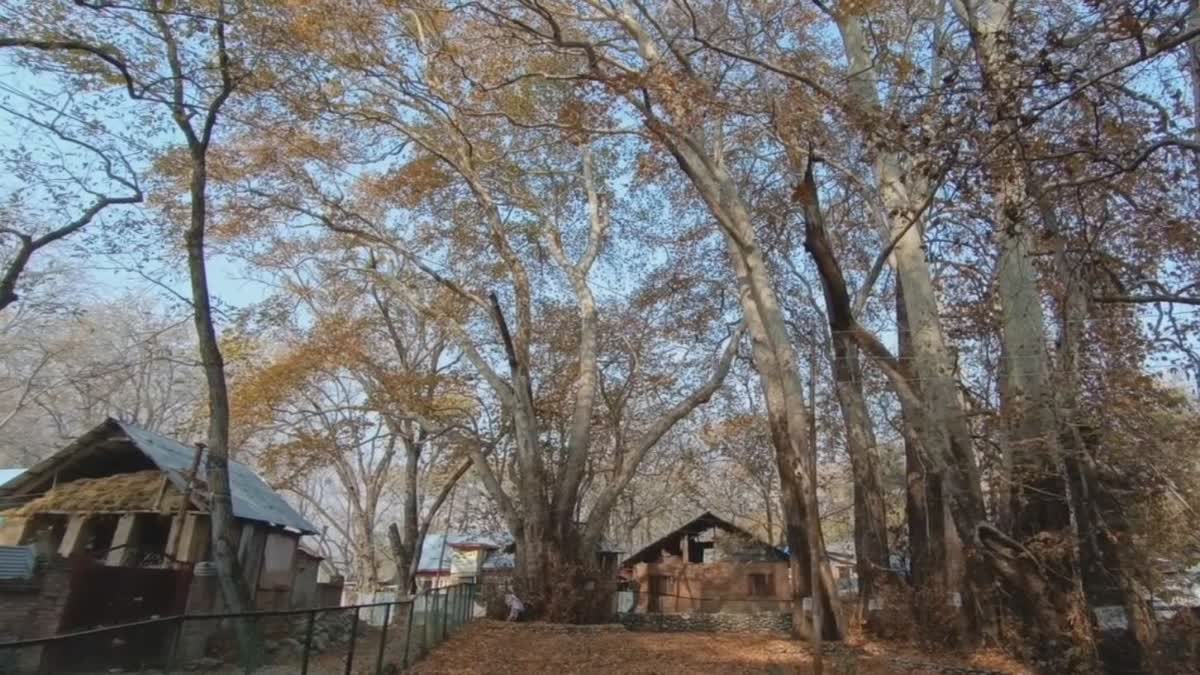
(499,648)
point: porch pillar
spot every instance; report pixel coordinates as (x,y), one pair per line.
(123,538)
(73,539)
(194,538)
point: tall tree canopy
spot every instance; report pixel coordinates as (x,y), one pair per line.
(929,264)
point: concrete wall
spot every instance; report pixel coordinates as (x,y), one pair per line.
(278,562)
(329,593)
(711,587)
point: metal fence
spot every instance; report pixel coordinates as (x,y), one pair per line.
(352,640)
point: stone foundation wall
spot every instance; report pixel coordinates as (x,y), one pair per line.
(719,622)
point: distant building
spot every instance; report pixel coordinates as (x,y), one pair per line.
(460,557)
(9,474)
(708,565)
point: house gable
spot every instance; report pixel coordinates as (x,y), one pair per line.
(707,537)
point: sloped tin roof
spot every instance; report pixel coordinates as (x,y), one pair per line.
(437,548)
(253,499)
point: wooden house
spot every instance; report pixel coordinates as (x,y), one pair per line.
(127,497)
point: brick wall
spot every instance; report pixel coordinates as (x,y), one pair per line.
(712,587)
(32,609)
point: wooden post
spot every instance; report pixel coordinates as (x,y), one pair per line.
(173,549)
(123,541)
(73,539)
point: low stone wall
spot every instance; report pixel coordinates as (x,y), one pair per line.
(719,622)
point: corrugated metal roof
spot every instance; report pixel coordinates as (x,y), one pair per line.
(9,474)
(436,557)
(253,499)
(16,562)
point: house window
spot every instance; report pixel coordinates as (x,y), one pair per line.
(761,585)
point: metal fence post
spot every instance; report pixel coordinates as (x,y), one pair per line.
(308,631)
(446,613)
(425,627)
(387,614)
(173,657)
(353,638)
(408,632)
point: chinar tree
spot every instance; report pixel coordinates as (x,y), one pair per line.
(524,218)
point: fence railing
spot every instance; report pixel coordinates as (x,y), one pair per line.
(355,639)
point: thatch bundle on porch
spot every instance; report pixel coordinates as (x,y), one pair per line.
(140,491)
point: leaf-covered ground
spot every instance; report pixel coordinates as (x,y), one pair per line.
(498,648)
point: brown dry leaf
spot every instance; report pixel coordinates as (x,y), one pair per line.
(498,648)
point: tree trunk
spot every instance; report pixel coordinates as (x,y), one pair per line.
(870,514)
(870,521)
(407,548)
(1041,566)
(946,435)
(778,368)
(923,486)
(224,549)
(1102,528)
(558,579)
(1041,503)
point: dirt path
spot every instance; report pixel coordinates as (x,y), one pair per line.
(497,648)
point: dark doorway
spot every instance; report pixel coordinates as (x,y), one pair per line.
(660,587)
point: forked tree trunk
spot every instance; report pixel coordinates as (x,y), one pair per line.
(774,355)
(234,591)
(946,436)
(870,521)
